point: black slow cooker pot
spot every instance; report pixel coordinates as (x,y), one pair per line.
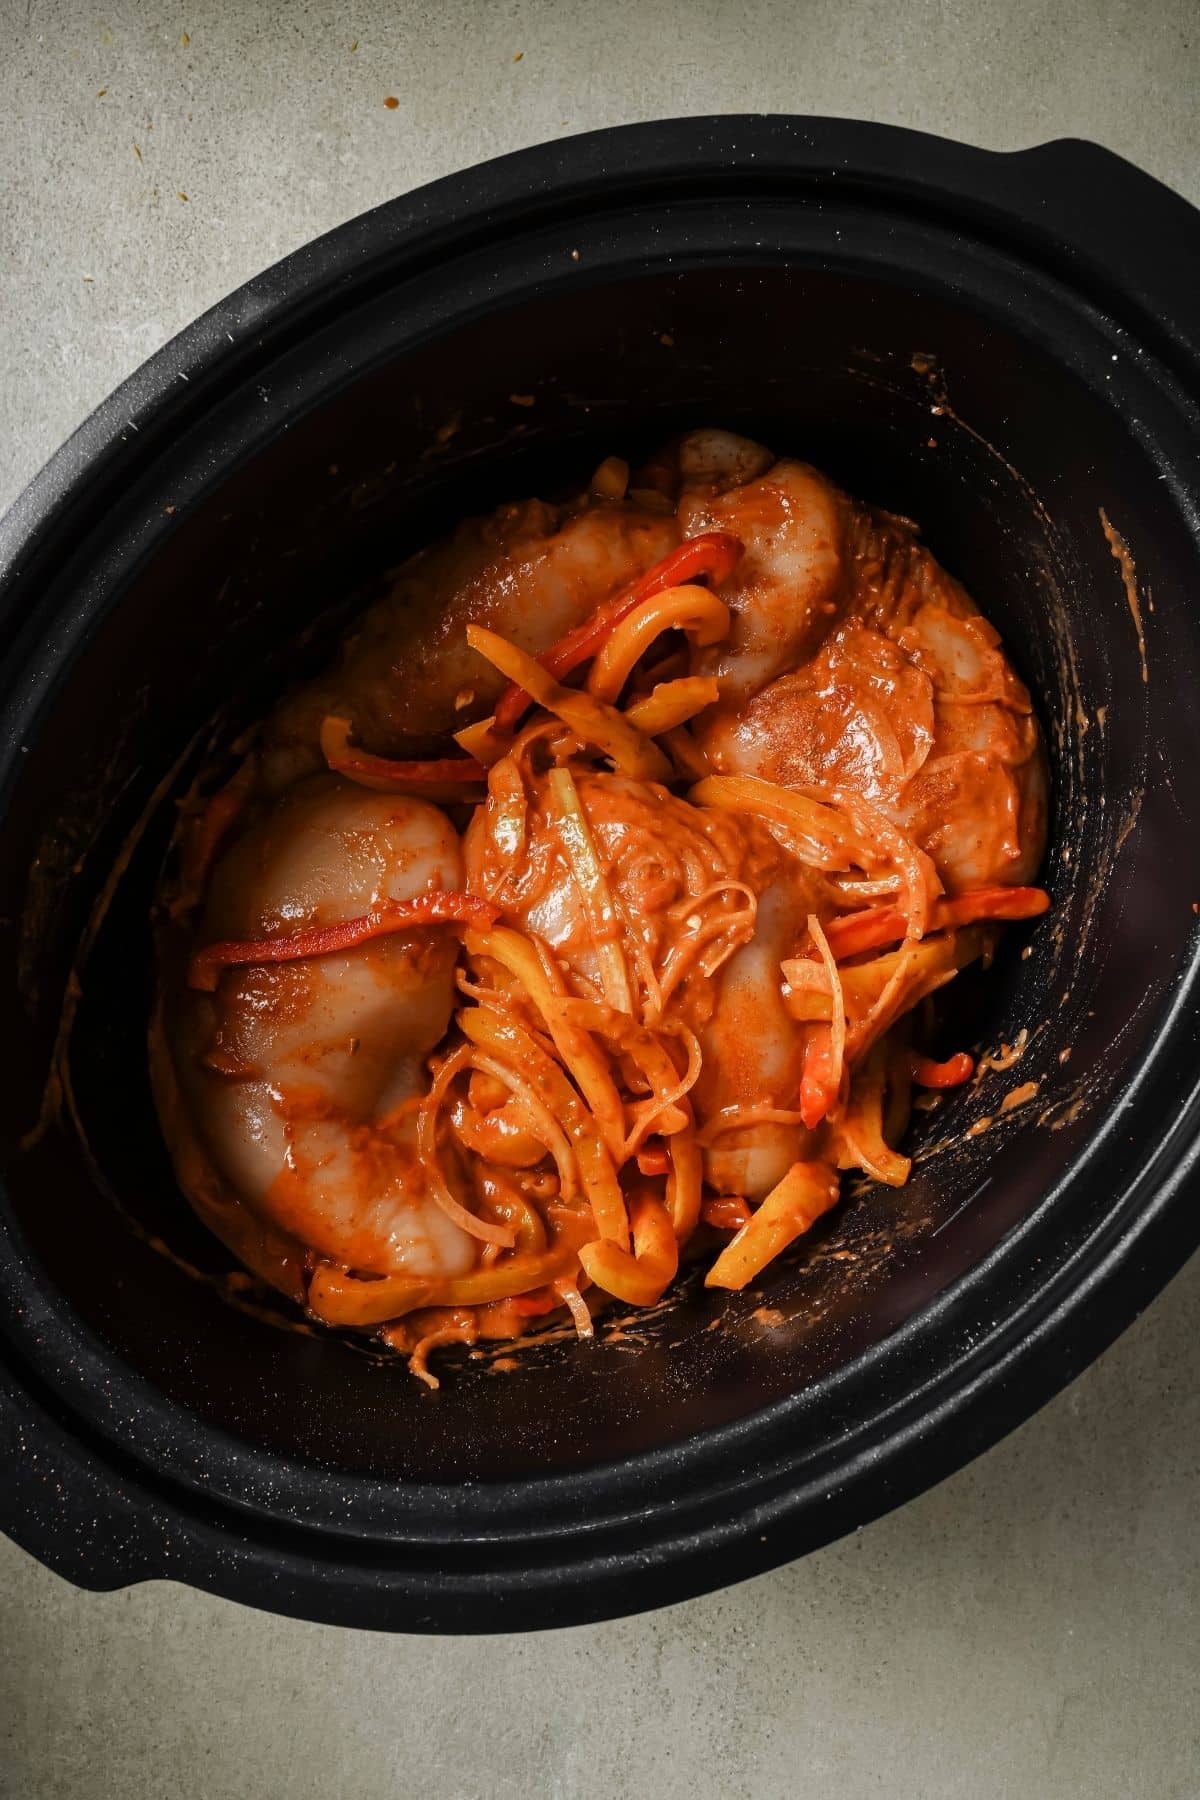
(1004,347)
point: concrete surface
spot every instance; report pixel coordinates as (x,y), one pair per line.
(1030,1628)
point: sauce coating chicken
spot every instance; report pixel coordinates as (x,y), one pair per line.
(407,676)
(856,662)
(676,872)
(443,1068)
(291,1067)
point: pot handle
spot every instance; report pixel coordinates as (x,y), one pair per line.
(67,1508)
(1090,206)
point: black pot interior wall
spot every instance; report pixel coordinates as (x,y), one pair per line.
(914,402)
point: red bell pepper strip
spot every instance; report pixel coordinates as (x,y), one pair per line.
(817,1091)
(725,1212)
(325,940)
(714,553)
(532,1306)
(949,1074)
(653,1161)
(878,926)
(388,774)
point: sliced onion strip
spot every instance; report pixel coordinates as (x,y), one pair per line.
(427,1144)
(604,922)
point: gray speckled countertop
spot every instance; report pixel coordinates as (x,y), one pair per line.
(1031,1627)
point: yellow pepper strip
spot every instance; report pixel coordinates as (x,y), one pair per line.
(822,836)
(661,1111)
(591,720)
(509,1042)
(929,963)
(859,1132)
(806,1191)
(483,741)
(684,1183)
(672,703)
(342,1299)
(689,609)
(642,1278)
(500,1200)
